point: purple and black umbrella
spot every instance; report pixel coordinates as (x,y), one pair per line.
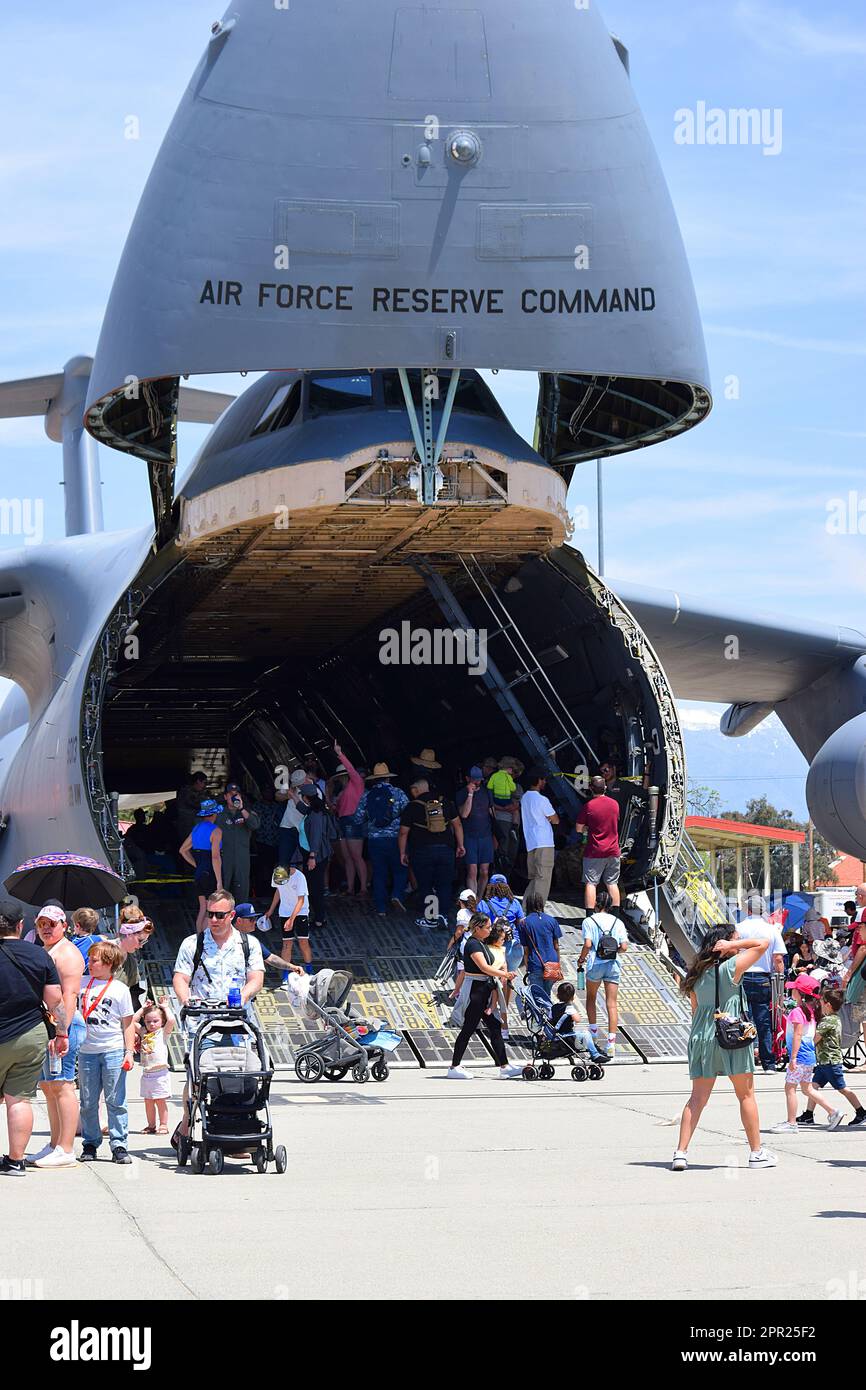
(73,879)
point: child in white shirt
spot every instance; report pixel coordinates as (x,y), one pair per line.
(292,899)
(106,1053)
(565,1017)
(154,1025)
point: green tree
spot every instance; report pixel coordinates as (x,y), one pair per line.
(704,801)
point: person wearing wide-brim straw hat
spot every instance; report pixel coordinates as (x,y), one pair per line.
(429,764)
(379,812)
(381,773)
(427,758)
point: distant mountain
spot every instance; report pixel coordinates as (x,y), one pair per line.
(765,762)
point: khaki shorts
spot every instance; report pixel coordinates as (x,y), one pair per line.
(21,1063)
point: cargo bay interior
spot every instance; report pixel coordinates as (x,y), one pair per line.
(253,664)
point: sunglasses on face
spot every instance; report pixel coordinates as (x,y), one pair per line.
(220,915)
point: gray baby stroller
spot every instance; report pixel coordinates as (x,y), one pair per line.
(349,1041)
(229,1075)
(550,1043)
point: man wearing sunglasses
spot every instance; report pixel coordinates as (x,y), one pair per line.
(221,964)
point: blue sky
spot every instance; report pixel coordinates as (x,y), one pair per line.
(736,508)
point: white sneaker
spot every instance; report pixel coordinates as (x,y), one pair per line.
(680,1162)
(43,1153)
(786,1127)
(508,1073)
(763,1159)
(458,1074)
(835,1120)
(57,1158)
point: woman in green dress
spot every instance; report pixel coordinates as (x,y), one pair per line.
(707,1060)
(854,984)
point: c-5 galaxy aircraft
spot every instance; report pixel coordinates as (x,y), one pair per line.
(371,205)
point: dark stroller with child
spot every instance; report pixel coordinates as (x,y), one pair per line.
(228,1082)
(350,1042)
(550,1044)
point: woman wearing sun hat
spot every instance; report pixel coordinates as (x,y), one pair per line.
(202,848)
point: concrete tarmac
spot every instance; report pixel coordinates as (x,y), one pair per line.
(394,1190)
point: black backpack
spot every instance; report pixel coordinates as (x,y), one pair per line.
(381,806)
(199,952)
(608,946)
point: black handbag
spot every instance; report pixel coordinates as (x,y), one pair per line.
(733,1033)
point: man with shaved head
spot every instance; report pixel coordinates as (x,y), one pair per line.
(601,857)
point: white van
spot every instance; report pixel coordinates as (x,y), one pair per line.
(830,903)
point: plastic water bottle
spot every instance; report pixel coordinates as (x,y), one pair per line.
(55,1064)
(234,996)
(581,978)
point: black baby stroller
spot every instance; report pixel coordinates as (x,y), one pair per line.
(350,1042)
(229,1083)
(548,1044)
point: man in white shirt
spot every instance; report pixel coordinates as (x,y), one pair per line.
(539,818)
(222,966)
(758,979)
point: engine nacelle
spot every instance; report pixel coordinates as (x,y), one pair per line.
(836,788)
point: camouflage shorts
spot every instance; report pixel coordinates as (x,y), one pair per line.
(858,1010)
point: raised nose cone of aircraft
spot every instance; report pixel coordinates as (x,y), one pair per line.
(465,185)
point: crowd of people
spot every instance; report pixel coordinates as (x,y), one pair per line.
(732,979)
(361,835)
(357,831)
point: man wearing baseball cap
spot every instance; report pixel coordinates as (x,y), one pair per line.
(28,977)
(246,921)
(59,1087)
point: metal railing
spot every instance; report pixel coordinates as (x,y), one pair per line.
(695,901)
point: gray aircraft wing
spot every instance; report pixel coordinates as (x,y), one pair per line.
(813,676)
(39,395)
(29,396)
(714,651)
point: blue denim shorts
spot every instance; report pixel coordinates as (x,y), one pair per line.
(77,1032)
(604,970)
(829,1074)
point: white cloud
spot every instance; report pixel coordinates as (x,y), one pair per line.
(776,30)
(784,340)
(694,717)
